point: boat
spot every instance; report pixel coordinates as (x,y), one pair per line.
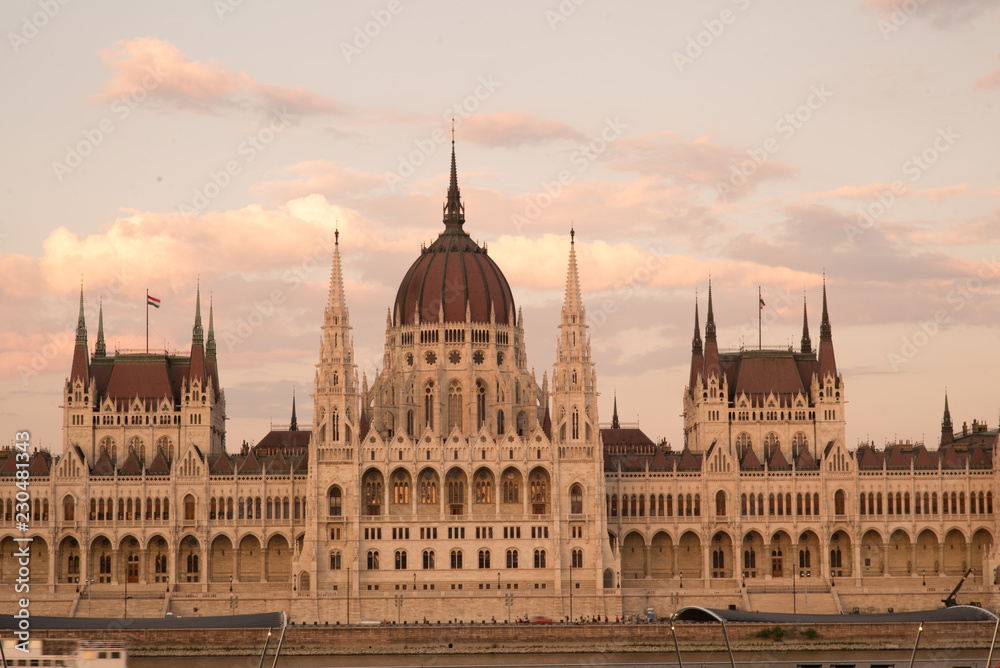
(66,652)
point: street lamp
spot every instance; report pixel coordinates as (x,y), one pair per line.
(230,584)
(923,575)
(295,581)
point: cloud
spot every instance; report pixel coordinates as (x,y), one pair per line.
(941,13)
(988,81)
(511,128)
(865,192)
(325,178)
(944,192)
(145,66)
(700,162)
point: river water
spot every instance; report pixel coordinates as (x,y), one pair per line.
(776,659)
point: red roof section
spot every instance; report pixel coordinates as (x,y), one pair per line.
(452,272)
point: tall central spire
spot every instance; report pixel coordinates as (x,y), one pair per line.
(454,210)
(573,302)
(336,303)
(197,333)
(806,341)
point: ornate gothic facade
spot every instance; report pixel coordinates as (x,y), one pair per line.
(456,486)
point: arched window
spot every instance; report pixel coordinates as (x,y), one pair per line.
(335,425)
(69,509)
(511,558)
(429,405)
(335,561)
(372,560)
(400,488)
(480,404)
(500,425)
(743,505)
(456,559)
(484,487)
(400,560)
(428,560)
(720,503)
(577,559)
(839,503)
(454,406)
(409,423)
(614,505)
(484,558)
(539,558)
(743,443)
(336,501)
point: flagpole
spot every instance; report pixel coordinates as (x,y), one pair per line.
(760,309)
(147,321)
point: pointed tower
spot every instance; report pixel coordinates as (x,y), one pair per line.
(81,367)
(827,362)
(197,369)
(78,393)
(210,344)
(711,345)
(335,396)
(947,430)
(100,349)
(574,394)
(454,210)
(806,341)
(615,424)
(697,355)
(294,424)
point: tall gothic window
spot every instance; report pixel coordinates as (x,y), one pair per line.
(480,404)
(576,424)
(429,405)
(454,406)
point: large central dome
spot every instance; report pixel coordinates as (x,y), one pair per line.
(451,273)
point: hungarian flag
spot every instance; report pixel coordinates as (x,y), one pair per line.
(762,304)
(152,301)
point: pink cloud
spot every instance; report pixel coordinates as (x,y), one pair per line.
(699,162)
(145,66)
(322,177)
(512,128)
(944,192)
(852,192)
(987,81)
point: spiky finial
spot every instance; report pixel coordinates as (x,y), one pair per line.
(81,323)
(454,210)
(710,323)
(806,341)
(100,349)
(696,340)
(824,328)
(294,426)
(614,415)
(210,344)
(198,333)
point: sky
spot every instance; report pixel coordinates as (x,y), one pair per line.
(762,143)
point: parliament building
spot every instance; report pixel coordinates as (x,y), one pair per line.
(457,486)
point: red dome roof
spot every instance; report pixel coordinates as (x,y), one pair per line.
(452,272)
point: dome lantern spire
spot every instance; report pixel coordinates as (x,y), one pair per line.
(454,210)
